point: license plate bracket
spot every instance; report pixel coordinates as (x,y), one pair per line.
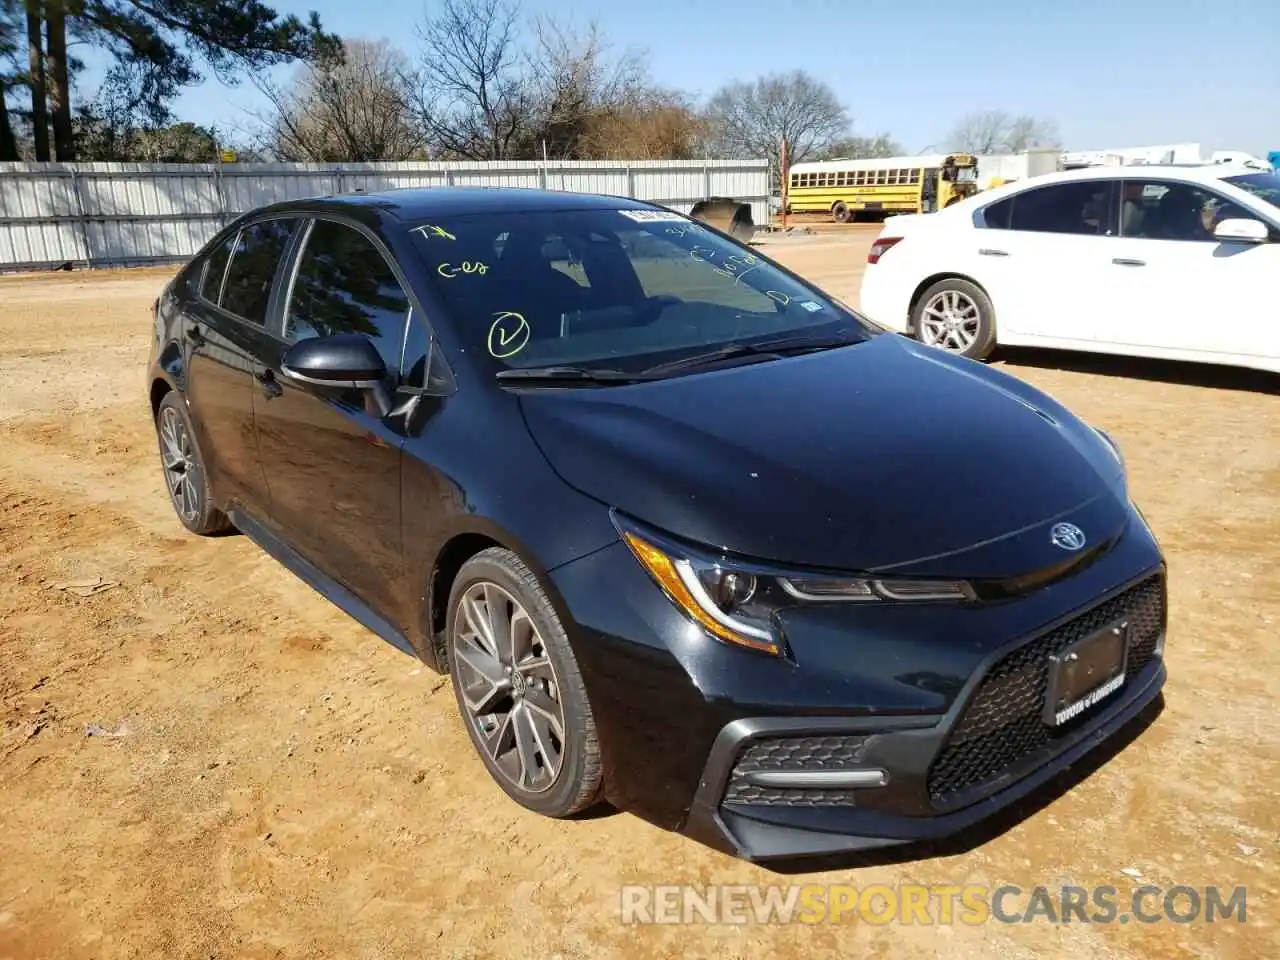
(1086,673)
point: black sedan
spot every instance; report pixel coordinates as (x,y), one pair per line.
(690,535)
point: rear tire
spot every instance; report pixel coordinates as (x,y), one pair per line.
(957,316)
(519,689)
(185,475)
(841,213)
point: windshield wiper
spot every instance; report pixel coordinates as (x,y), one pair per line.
(569,374)
(764,349)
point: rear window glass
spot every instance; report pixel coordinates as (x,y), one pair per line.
(216,268)
(1077,207)
(253,268)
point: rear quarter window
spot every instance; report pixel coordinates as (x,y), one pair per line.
(998,214)
(209,275)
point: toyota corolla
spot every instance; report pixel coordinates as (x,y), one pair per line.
(689,535)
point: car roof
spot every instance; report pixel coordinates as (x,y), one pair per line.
(1198,172)
(420,203)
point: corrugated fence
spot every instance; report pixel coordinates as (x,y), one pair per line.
(113,214)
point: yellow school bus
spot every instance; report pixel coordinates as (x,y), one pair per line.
(846,188)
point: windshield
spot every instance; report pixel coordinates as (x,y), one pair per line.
(620,289)
(1265,186)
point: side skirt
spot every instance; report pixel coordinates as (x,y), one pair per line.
(320,582)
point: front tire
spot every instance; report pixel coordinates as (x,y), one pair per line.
(185,475)
(519,689)
(957,316)
(841,213)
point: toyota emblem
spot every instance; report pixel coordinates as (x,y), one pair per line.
(1067,536)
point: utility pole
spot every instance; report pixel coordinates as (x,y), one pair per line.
(784,169)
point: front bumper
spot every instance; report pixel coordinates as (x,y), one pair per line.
(947,707)
(930,776)
(770,833)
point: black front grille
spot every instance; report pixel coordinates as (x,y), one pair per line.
(1002,723)
(794,753)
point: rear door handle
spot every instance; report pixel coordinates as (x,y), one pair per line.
(267,381)
(988,252)
(1122,262)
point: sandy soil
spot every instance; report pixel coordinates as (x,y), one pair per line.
(267,779)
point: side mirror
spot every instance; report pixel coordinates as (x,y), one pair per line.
(1240,230)
(344,361)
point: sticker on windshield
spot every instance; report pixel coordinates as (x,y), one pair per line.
(651,216)
(811,306)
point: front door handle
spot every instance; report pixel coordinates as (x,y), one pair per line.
(1122,262)
(988,252)
(267,381)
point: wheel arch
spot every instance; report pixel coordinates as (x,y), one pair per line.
(462,544)
(160,387)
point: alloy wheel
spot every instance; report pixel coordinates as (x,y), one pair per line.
(950,321)
(508,687)
(181,469)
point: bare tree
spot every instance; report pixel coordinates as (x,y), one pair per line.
(357,107)
(473,100)
(1026,132)
(751,119)
(591,101)
(994,131)
(864,148)
(573,78)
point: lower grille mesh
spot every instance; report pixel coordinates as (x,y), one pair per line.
(794,753)
(1002,723)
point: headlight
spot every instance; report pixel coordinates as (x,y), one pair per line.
(736,603)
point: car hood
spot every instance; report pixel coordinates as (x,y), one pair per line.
(882,455)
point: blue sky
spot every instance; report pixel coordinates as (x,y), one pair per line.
(1110,73)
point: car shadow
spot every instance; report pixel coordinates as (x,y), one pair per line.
(1215,376)
(991,828)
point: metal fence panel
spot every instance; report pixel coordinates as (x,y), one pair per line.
(111,214)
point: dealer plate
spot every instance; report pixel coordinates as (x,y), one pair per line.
(1086,673)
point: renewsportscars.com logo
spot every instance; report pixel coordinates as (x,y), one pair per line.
(933,904)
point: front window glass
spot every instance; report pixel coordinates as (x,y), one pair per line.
(345,285)
(1169,210)
(1263,185)
(622,289)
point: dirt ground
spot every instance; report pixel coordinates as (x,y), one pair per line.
(206,759)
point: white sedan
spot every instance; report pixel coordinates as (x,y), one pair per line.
(1181,263)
